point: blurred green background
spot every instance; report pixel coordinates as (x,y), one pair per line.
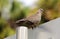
(12,10)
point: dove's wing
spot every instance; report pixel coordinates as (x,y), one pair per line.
(24,22)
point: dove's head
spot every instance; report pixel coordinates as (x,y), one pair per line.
(40,11)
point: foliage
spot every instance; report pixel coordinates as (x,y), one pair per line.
(18,11)
(5,29)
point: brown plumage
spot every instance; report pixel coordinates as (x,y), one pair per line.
(31,21)
(12,23)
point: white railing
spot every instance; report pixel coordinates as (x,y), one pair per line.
(49,30)
(22,32)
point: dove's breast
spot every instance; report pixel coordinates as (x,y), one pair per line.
(34,18)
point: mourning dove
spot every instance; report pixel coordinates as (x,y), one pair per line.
(31,21)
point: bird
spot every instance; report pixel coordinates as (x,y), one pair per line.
(32,21)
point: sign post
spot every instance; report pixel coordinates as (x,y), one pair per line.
(22,32)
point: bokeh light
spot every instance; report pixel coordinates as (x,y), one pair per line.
(27,2)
